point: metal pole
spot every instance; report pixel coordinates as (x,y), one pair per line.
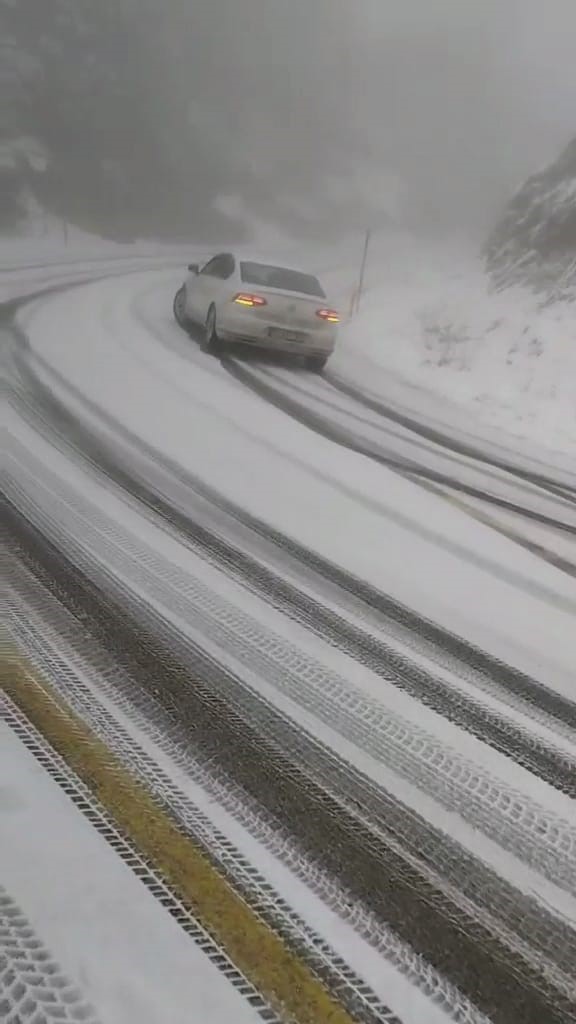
(363,269)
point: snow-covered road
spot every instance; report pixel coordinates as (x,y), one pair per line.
(393,614)
(116,345)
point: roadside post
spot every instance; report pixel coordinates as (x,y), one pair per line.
(363,270)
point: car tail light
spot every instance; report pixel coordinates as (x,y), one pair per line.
(329,315)
(245,299)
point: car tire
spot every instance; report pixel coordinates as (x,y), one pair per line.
(180,309)
(316,363)
(211,342)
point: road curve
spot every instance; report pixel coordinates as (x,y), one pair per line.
(272,589)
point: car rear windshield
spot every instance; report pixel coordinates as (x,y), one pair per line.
(279,277)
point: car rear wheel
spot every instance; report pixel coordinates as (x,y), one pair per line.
(211,342)
(180,309)
(316,363)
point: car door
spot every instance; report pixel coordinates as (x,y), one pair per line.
(205,286)
(220,286)
(195,288)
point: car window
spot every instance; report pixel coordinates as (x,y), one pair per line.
(227,266)
(211,268)
(280,277)
(221,266)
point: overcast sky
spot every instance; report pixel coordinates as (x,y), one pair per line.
(432,110)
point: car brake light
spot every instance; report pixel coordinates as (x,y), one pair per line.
(330,315)
(244,299)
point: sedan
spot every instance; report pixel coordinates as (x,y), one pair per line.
(266,307)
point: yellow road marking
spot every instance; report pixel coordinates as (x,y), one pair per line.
(278,974)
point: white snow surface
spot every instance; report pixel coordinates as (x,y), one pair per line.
(45,258)
(385,979)
(97,510)
(434,338)
(47,241)
(115,341)
(430,338)
(379,526)
(98,920)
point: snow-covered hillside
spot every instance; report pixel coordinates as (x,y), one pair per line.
(485,344)
(535,241)
(434,335)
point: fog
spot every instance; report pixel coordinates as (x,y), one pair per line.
(326,114)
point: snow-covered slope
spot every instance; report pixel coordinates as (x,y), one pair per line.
(483,345)
(434,337)
(535,241)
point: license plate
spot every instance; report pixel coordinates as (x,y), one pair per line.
(281,335)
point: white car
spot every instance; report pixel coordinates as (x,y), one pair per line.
(267,307)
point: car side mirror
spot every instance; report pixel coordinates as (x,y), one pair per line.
(193,268)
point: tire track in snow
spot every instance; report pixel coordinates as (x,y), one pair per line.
(372,866)
(334,431)
(549,764)
(68,662)
(448,441)
(33,987)
(85,801)
(33,636)
(508,684)
(525,828)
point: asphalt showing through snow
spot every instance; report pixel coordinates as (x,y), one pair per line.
(282,773)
